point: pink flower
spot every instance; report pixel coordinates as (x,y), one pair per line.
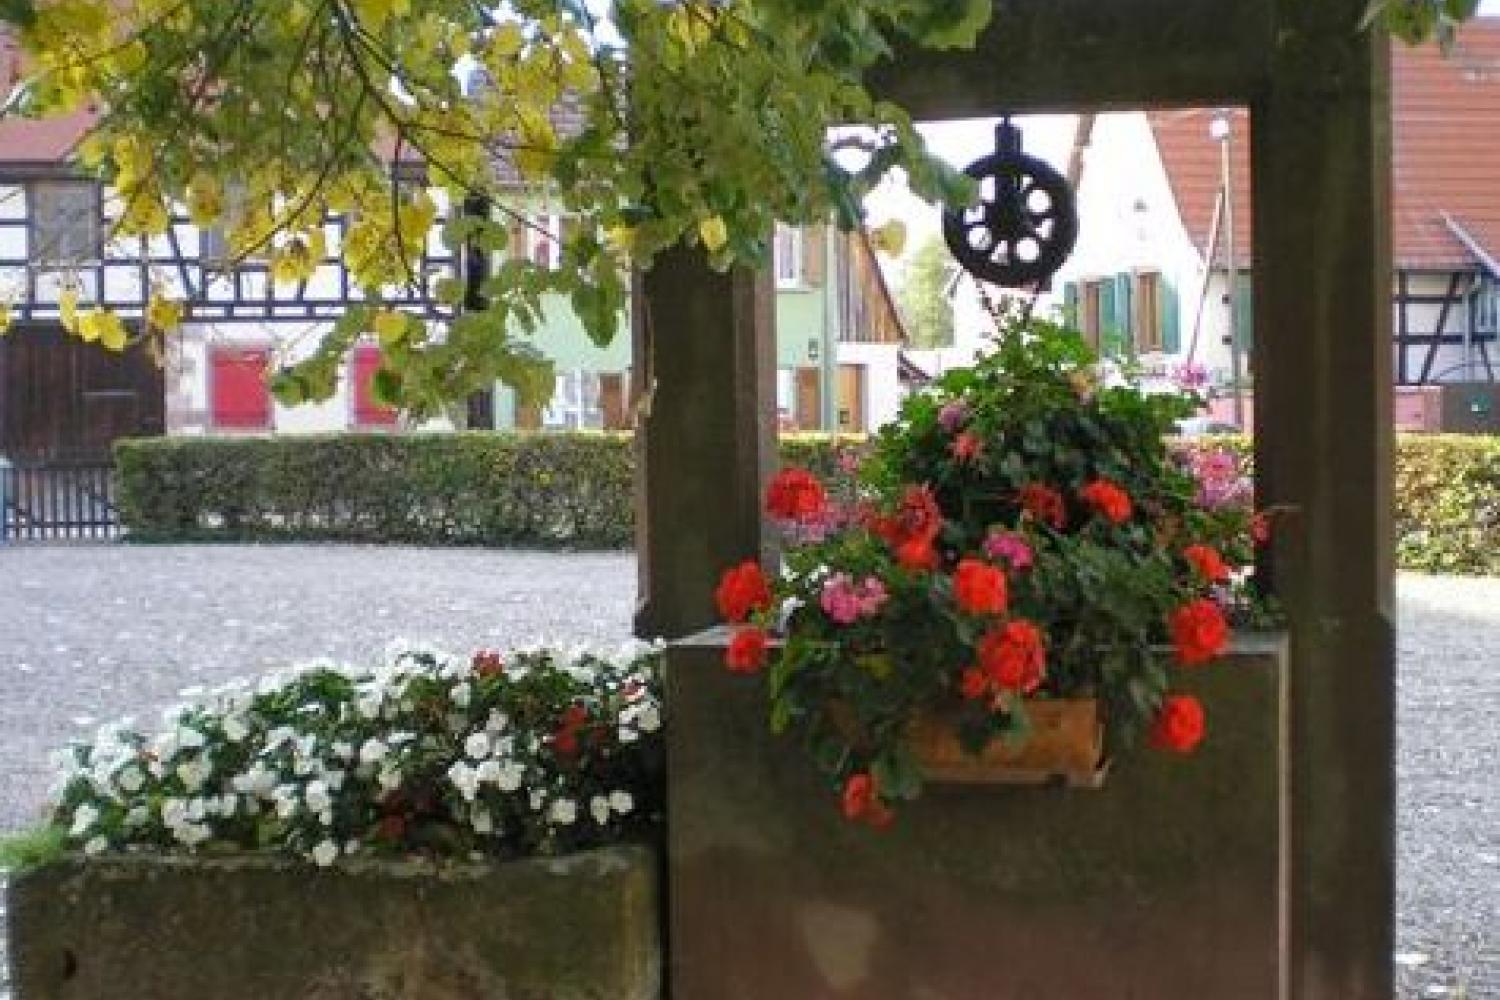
(840,600)
(1191,377)
(953,416)
(872,596)
(1011,547)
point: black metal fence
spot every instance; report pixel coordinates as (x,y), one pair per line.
(56,501)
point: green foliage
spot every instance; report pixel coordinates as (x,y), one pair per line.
(504,489)
(1416,21)
(924,303)
(691,121)
(1447,500)
(32,848)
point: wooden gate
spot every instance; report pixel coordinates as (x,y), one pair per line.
(63,404)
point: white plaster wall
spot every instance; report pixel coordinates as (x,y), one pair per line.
(881,378)
(188,410)
(1129,221)
(1452,363)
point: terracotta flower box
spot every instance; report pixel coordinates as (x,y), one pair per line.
(1065,745)
(580,927)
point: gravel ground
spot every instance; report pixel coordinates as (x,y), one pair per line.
(90,633)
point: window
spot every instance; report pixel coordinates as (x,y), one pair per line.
(368,411)
(1090,319)
(786,398)
(65,221)
(238,396)
(575,402)
(544,241)
(1147,320)
(788,257)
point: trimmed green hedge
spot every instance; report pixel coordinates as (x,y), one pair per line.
(478,488)
(575,490)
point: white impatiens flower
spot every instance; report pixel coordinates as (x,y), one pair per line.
(137,816)
(462,694)
(193,773)
(190,739)
(465,779)
(648,718)
(599,808)
(84,817)
(325,854)
(130,779)
(621,802)
(510,777)
(234,729)
(96,845)
(372,752)
(477,746)
(317,796)
(482,821)
(563,812)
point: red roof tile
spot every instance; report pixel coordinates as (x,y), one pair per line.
(1446,133)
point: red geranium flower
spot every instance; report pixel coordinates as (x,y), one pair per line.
(1108,499)
(1179,724)
(488,663)
(1199,631)
(1045,504)
(1207,561)
(917,554)
(859,796)
(565,737)
(747,651)
(795,495)
(1260,527)
(742,589)
(973,684)
(979,588)
(1014,657)
(966,447)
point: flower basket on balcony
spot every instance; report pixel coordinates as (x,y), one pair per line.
(1003,591)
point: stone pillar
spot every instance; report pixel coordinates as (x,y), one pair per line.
(1321,170)
(704,385)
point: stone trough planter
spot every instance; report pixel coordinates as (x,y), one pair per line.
(1164,884)
(583,927)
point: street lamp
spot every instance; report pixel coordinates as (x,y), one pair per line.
(1222,131)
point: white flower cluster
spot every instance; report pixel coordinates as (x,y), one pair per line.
(495,755)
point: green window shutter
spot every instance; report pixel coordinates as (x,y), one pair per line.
(1124,322)
(1167,315)
(1071,319)
(1244,313)
(1107,325)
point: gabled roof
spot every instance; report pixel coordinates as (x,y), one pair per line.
(1446,136)
(34,142)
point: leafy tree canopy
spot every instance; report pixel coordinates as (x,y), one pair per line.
(693,120)
(924,300)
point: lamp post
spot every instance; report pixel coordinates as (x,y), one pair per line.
(1220,128)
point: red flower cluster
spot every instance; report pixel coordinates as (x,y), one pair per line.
(565,737)
(747,651)
(795,495)
(862,802)
(1199,632)
(1207,561)
(979,588)
(488,663)
(1045,505)
(1179,724)
(1012,658)
(912,532)
(742,589)
(1108,500)
(967,447)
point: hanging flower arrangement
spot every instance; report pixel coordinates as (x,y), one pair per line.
(1023,562)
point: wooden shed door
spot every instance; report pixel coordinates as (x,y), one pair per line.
(809,399)
(64,400)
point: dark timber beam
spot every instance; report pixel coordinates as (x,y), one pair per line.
(1073,55)
(704,371)
(1320,163)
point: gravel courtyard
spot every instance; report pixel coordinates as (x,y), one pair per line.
(91,633)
